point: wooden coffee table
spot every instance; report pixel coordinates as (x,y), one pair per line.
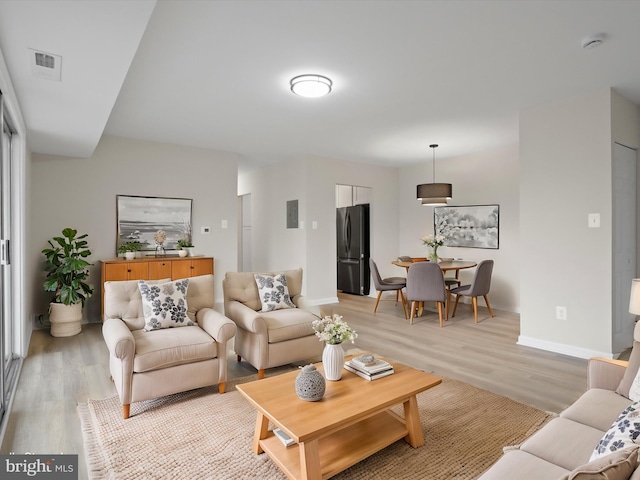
(350,423)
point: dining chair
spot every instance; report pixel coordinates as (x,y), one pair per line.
(425,283)
(480,286)
(387,285)
(453,281)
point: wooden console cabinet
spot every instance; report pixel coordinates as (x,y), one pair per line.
(153,268)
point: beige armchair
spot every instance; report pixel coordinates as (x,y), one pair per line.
(269,339)
(151,364)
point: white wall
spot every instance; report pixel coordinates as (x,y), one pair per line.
(625,121)
(81,194)
(625,130)
(312,181)
(274,246)
(565,165)
(478,179)
(625,127)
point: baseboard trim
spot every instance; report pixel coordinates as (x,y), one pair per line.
(322,301)
(562,348)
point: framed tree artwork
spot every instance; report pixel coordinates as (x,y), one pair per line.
(140,219)
(476,226)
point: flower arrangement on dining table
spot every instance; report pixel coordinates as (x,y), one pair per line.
(333,330)
(434,241)
(443,232)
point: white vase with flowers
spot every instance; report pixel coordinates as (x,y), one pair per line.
(434,241)
(333,330)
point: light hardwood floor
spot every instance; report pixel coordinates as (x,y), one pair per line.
(483,354)
(61,372)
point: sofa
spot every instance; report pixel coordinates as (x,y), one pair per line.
(268,339)
(601,417)
(148,363)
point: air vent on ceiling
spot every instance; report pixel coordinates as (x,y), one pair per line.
(45,65)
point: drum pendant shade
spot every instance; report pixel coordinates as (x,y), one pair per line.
(434,193)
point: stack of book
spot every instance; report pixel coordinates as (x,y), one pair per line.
(369,371)
(286,440)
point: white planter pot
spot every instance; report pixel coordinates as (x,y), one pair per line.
(66,320)
(129,255)
(332,361)
(189,251)
(182,253)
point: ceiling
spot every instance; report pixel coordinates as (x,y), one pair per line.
(215,74)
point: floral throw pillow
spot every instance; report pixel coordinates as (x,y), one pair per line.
(164,304)
(274,293)
(624,432)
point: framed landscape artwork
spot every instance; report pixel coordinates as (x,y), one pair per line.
(139,218)
(476,226)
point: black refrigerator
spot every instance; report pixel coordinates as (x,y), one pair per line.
(352,229)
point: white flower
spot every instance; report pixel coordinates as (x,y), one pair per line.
(437,240)
(433,240)
(334,330)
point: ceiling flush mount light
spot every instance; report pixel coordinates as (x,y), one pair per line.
(434,194)
(311,85)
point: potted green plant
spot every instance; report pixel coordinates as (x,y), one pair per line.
(129,249)
(67,271)
(185,245)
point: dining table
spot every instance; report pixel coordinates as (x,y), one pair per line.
(445,265)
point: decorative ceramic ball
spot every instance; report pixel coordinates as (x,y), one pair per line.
(310,384)
(367,359)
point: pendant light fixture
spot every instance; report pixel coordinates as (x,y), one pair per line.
(434,194)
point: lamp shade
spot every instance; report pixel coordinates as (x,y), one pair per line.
(434,190)
(634,299)
(434,202)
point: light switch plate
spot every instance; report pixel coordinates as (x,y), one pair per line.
(224,224)
(594,220)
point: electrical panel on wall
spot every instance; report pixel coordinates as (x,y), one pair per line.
(292,214)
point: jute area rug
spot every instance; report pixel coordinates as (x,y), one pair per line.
(203,435)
